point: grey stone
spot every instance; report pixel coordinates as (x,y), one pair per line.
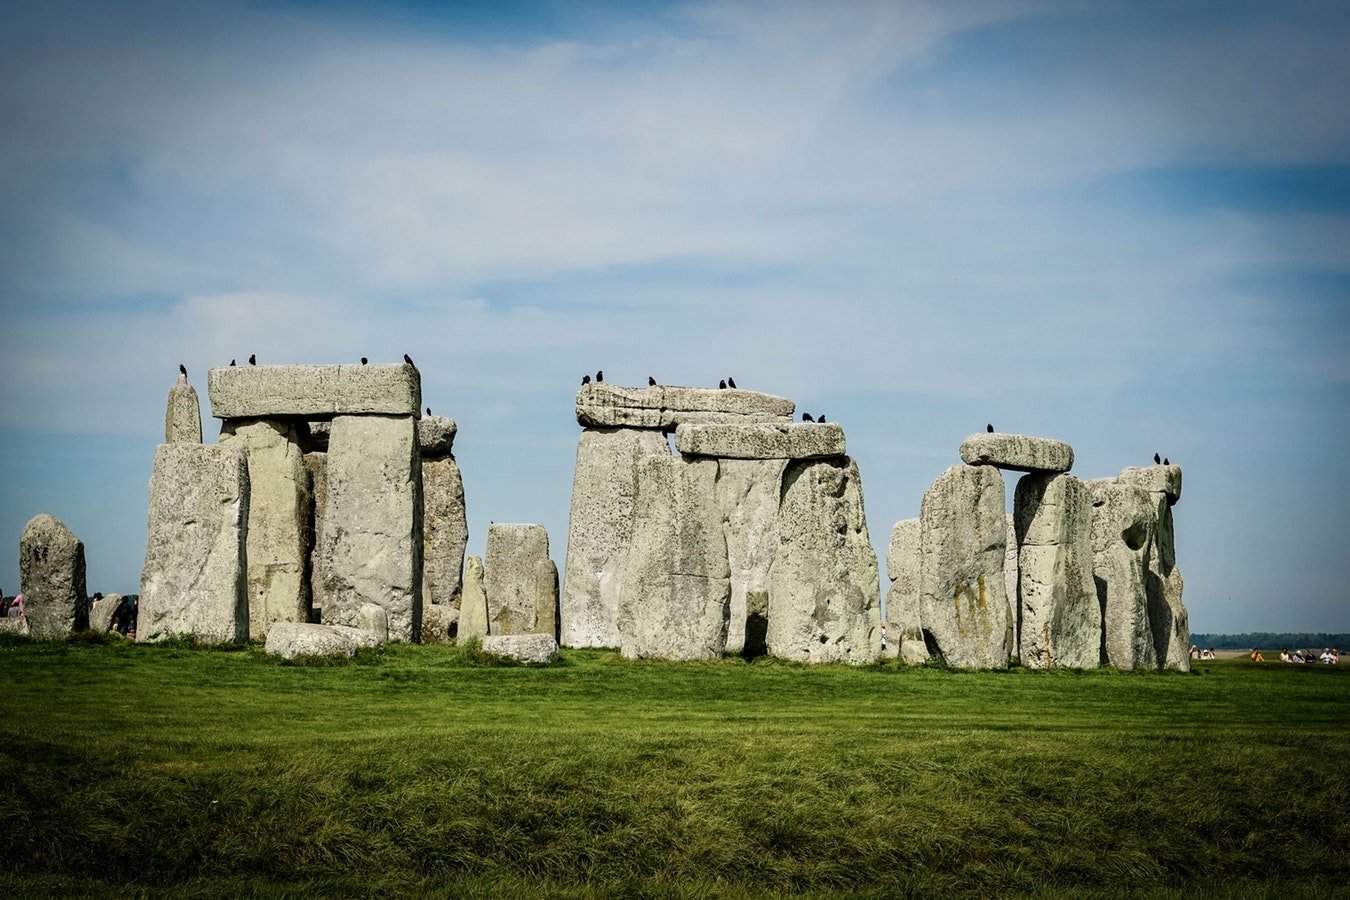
(747,493)
(183,414)
(51,571)
(369,547)
(436,436)
(279,521)
(260,392)
(666,406)
(761,440)
(824,596)
(375,620)
(1060,621)
(438,623)
(904,625)
(1011,574)
(1166,613)
(101,612)
(1017,452)
(316,465)
(600,530)
(15,625)
(1164,480)
(292,639)
(962,541)
(195,577)
(676,590)
(527,648)
(513,550)
(546,597)
(473,608)
(445,528)
(1123,517)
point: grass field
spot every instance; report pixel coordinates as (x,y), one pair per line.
(175,771)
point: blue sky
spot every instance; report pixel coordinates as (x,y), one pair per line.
(1124,225)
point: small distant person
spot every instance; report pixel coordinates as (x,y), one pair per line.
(1326,656)
(1256,656)
(121,617)
(1195,652)
(1310,657)
(1284,654)
(15,608)
(883,637)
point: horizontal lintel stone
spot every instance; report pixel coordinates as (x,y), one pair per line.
(248,392)
(666,406)
(1017,452)
(761,440)
(1155,480)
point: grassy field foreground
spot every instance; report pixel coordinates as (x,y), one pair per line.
(178,771)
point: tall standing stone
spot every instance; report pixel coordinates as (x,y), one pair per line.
(600,531)
(445,524)
(747,493)
(1060,621)
(183,414)
(546,598)
(279,521)
(473,608)
(962,540)
(1011,573)
(824,596)
(195,577)
(369,547)
(51,573)
(904,626)
(1123,518)
(513,551)
(1167,614)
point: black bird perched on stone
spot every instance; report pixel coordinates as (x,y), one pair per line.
(722,385)
(408,359)
(1166,461)
(820,418)
(600,376)
(182,370)
(585,379)
(231,362)
(989,428)
(731,382)
(364,360)
(253,359)
(651,382)
(806,417)
(428,410)
(1157,460)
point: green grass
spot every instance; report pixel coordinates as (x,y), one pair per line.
(150,771)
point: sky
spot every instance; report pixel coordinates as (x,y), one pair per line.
(1121,225)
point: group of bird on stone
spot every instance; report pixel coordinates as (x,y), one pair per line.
(722,385)
(1161,462)
(253,361)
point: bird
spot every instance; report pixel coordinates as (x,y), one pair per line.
(231,362)
(182,370)
(722,385)
(585,380)
(1166,461)
(1157,460)
(364,360)
(600,376)
(989,428)
(731,382)
(651,382)
(806,417)
(820,418)
(408,359)
(428,410)
(253,359)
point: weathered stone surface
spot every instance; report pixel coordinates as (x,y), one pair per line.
(51,570)
(824,596)
(436,436)
(676,590)
(101,612)
(1123,517)
(761,440)
(1017,452)
(473,608)
(546,597)
(279,521)
(375,620)
(904,627)
(369,547)
(1011,574)
(528,648)
(513,550)
(183,414)
(15,625)
(195,577)
(1166,613)
(666,406)
(260,392)
(1164,480)
(1060,621)
(438,623)
(962,541)
(292,639)
(445,527)
(600,531)
(316,465)
(747,494)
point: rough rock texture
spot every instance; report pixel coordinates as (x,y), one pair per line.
(761,440)
(182,414)
(279,521)
(369,547)
(677,589)
(513,550)
(292,639)
(16,625)
(962,537)
(438,623)
(259,392)
(473,608)
(1011,573)
(375,620)
(1060,621)
(101,612)
(445,526)
(665,406)
(528,648)
(436,436)
(600,530)
(316,465)
(1123,517)
(1164,480)
(51,571)
(1166,613)
(904,628)
(747,494)
(1017,452)
(546,598)
(195,575)
(824,596)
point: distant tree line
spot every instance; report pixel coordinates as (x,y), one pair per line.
(1269,640)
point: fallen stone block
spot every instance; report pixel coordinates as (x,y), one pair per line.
(761,440)
(1017,452)
(375,620)
(292,639)
(183,414)
(261,392)
(1123,518)
(527,648)
(51,571)
(666,406)
(513,550)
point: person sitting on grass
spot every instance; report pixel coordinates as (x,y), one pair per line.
(121,617)
(1284,654)
(15,610)
(1310,657)
(1256,656)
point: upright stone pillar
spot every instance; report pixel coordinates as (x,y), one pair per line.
(51,575)
(1123,518)
(546,598)
(748,492)
(183,414)
(445,523)
(1167,614)
(513,552)
(473,609)
(904,626)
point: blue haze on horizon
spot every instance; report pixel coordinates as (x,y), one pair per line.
(1124,225)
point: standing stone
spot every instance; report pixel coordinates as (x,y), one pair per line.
(513,550)
(962,542)
(824,596)
(1011,574)
(904,627)
(370,542)
(279,521)
(747,494)
(1122,541)
(183,414)
(677,586)
(1060,621)
(445,524)
(195,577)
(1167,614)
(316,464)
(101,612)
(473,608)
(600,531)
(546,598)
(51,572)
